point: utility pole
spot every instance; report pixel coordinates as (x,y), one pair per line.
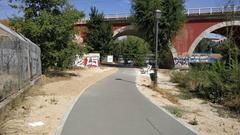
(158,16)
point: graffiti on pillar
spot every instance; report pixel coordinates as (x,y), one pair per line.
(89,60)
(181,61)
(79,62)
(195,58)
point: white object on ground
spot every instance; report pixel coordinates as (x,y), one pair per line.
(36,124)
(147,69)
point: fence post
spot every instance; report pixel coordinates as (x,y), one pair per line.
(1,49)
(17,44)
(29,62)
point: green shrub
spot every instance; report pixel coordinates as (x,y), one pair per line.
(179,77)
(186,94)
(176,76)
(132,48)
(216,82)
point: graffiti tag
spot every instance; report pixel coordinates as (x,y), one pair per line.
(89,60)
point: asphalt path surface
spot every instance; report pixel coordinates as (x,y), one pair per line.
(114,106)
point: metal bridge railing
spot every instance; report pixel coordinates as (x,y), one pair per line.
(188,12)
(121,15)
(212,10)
(110,16)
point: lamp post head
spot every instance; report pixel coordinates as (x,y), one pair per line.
(158,13)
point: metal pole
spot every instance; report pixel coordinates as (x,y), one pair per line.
(156,55)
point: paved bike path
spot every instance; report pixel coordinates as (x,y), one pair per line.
(114,106)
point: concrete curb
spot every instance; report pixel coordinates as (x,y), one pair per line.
(168,113)
(63,121)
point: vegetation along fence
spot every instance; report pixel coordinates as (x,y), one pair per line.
(20,62)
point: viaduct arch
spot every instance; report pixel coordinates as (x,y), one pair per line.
(213,29)
(131,30)
(196,27)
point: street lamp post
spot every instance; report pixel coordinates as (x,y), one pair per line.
(158,16)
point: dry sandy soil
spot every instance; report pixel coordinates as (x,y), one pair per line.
(211,119)
(48,102)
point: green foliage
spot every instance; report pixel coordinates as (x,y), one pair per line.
(177,77)
(205,45)
(171,21)
(216,82)
(184,79)
(49,24)
(132,48)
(230,52)
(144,17)
(165,57)
(186,94)
(99,35)
(33,8)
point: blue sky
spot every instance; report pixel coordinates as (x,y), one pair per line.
(110,6)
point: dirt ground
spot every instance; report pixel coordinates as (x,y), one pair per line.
(46,104)
(210,119)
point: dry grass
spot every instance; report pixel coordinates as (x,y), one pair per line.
(178,112)
(166,94)
(34,91)
(194,121)
(21,107)
(56,76)
(164,71)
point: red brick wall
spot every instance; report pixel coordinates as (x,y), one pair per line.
(189,33)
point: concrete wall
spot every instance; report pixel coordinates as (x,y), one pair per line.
(20,63)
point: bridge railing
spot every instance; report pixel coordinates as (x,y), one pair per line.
(188,12)
(119,15)
(212,10)
(110,16)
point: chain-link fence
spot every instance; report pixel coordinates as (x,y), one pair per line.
(20,62)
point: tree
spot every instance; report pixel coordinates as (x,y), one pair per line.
(230,52)
(205,45)
(99,34)
(171,21)
(49,24)
(133,48)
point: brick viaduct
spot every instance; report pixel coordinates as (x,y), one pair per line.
(199,23)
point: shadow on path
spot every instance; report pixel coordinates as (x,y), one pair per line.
(132,82)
